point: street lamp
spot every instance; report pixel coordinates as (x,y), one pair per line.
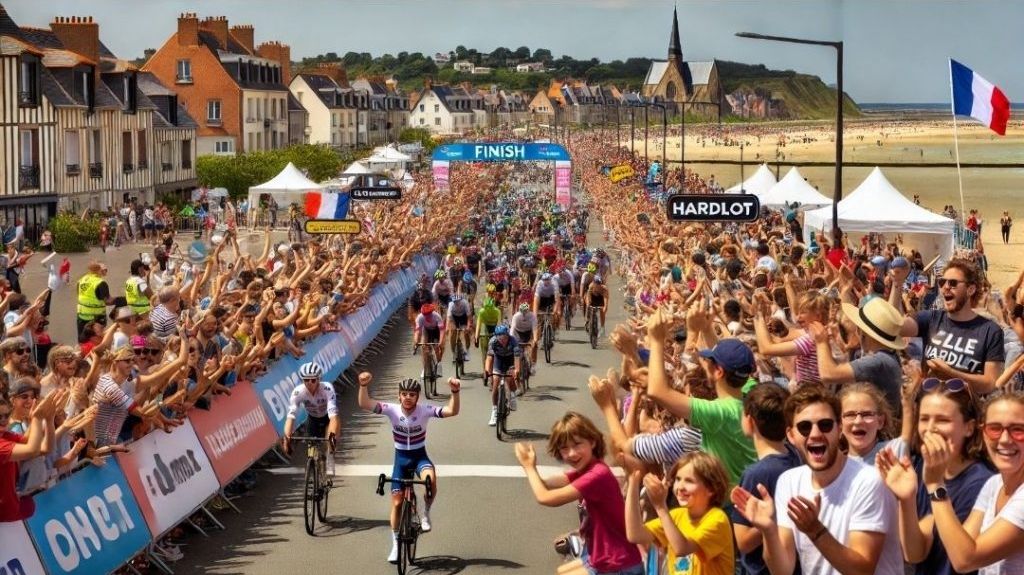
(664,139)
(838,193)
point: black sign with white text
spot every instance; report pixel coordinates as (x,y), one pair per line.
(713,207)
(389,193)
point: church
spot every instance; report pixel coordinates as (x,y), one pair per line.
(694,85)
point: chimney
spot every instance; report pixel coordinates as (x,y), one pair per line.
(218,26)
(188,29)
(280,53)
(335,71)
(245,36)
(79,34)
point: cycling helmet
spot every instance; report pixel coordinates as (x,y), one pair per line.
(311,370)
(458,261)
(598,279)
(467,277)
(409,385)
(427,308)
(491,288)
(502,329)
(439,274)
(591,267)
(545,276)
(524,307)
(451,250)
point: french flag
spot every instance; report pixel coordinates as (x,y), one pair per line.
(978,98)
(326,205)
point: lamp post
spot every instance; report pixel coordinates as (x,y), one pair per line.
(838,193)
(632,129)
(664,140)
(646,124)
(618,122)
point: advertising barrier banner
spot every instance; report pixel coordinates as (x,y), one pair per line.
(88,523)
(563,183)
(169,475)
(234,432)
(17,555)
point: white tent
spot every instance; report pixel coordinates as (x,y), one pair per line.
(387,157)
(877,206)
(287,187)
(758,184)
(794,188)
(356,168)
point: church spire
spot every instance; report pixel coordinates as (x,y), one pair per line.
(675,49)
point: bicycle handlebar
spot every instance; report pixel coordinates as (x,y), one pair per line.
(309,439)
(382,479)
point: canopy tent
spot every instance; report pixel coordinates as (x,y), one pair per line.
(758,184)
(794,188)
(877,206)
(289,186)
(356,168)
(387,157)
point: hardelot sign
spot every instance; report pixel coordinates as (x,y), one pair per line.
(384,193)
(713,208)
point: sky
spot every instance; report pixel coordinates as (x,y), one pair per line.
(894,50)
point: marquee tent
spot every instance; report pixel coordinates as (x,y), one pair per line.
(794,188)
(288,186)
(356,168)
(758,184)
(387,157)
(877,206)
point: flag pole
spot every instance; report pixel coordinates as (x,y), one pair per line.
(956,143)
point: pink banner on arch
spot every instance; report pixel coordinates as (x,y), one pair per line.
(563,183)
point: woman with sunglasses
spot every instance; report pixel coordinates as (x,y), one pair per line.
(991,540)
(944,413)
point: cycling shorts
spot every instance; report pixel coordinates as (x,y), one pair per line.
(408,464)
(546,304)
(460,321)
(524,337)
(432,334)
(444,299)
(317,426)
(566,290)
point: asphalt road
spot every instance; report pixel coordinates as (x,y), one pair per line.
(485,519)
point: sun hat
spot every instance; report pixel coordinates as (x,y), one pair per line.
(879,320)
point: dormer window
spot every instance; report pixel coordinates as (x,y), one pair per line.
(243,71)
(129,85)
(28,82)
(85,89)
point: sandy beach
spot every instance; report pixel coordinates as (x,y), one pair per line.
(989,190)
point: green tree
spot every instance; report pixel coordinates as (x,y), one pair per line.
(522,53)
(542,55)
(241,172)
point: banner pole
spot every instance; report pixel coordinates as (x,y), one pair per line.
(956,142)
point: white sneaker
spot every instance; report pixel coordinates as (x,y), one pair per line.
(494,417)
(512,403)
(425,522)
(393,556)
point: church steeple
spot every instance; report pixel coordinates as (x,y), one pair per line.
(675,49)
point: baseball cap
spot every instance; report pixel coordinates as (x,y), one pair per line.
(899,262)
(733,355)
(878,261)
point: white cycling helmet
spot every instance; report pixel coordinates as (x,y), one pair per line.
(311,370)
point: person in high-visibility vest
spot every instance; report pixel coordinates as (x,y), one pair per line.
(93,295)
(137,290)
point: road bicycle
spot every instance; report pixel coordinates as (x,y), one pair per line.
(593,325)
(409,528)
(460,352)
(567,312)
(547,335)
(430,370)
(503,409)
(524,372)
(318,485)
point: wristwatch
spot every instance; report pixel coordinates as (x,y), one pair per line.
(940,494)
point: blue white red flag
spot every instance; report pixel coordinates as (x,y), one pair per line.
(978,98)
(326,205)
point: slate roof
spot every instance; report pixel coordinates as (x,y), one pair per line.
(161,97)
(294,105)
(53,90)
(700,72)
(210,41)
(7,25)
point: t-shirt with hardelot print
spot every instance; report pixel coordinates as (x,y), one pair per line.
(964,345)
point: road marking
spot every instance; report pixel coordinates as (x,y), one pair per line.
(501,471)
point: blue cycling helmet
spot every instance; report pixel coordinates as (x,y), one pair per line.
(467,277)
(501,330)
(545,276)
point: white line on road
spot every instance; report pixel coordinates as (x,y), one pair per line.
(504,471)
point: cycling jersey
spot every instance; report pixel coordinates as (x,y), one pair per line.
(431,322)
(545,289)
(443,288)
(318,404)
(409,430)
(523,322)
(489,316)
(564,279)
(458,309)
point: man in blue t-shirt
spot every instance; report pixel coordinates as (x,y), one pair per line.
(765,423)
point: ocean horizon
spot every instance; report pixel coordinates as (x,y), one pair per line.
(918,106)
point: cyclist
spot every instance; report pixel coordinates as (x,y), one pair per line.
(604,263)
(566,285)
(429,325)
(546,297)
(487,318)
(320,403)
(504,358)
(409,421)
(443,289)
(421,296)
(460,316)
(597,296)
(524,326)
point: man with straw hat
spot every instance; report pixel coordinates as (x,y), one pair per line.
(878,324)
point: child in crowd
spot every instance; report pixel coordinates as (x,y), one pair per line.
(867,421)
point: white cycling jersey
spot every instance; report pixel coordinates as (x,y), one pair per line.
(545,288)
(318,404)
(409,430)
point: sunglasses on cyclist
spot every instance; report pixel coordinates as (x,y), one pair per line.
(824,425)
(953,283)
(994,431)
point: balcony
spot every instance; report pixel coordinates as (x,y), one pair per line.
(72,169)
(166,166)
(143,165)
(128,167)
(28,177)
(96,170)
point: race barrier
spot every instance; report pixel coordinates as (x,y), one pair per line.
(101,516)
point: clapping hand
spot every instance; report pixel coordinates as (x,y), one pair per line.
(804,514)
(526,455)
(897,473)
(602,391)
(760,512)
(936,451)
(657,492)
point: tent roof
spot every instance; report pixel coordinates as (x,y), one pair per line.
(794,188)
(762,181)
(289,180)
(876,205)
(389,154)
(356,168)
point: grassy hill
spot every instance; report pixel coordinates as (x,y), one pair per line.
(805,97)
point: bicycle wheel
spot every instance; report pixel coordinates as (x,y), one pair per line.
(502,410)
(309,501)
(566,312)
(524,376)
(548,343)
(406,531)
(433,376)
(593,330)
(322,490)
(460,365)
(428,374)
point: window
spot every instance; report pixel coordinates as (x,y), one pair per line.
(421,121)
(421,108)
(95,154)
(142,151)
(72,153)
(259,140)
(252,142)
(437,108)
(28,169)
(437,121)
(273,108)
(213,112)
(249,113)
(186,154)
(84,86)
(128,85)
(166,156)
(126,152)
(334,119)
(184,71)
(350,114)
(28,82)
(223,146)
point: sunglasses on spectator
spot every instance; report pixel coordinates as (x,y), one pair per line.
(995,430)
(955,385)
(953,283)
(823,425)
(20,350)
(867,416)
(148,351)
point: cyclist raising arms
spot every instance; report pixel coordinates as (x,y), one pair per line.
(504,357)
(409,426)
(321,406)
(597,296)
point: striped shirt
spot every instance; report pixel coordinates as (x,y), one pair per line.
(667,447)
(164,321)
(409,430)
(113,406)
(806,361)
